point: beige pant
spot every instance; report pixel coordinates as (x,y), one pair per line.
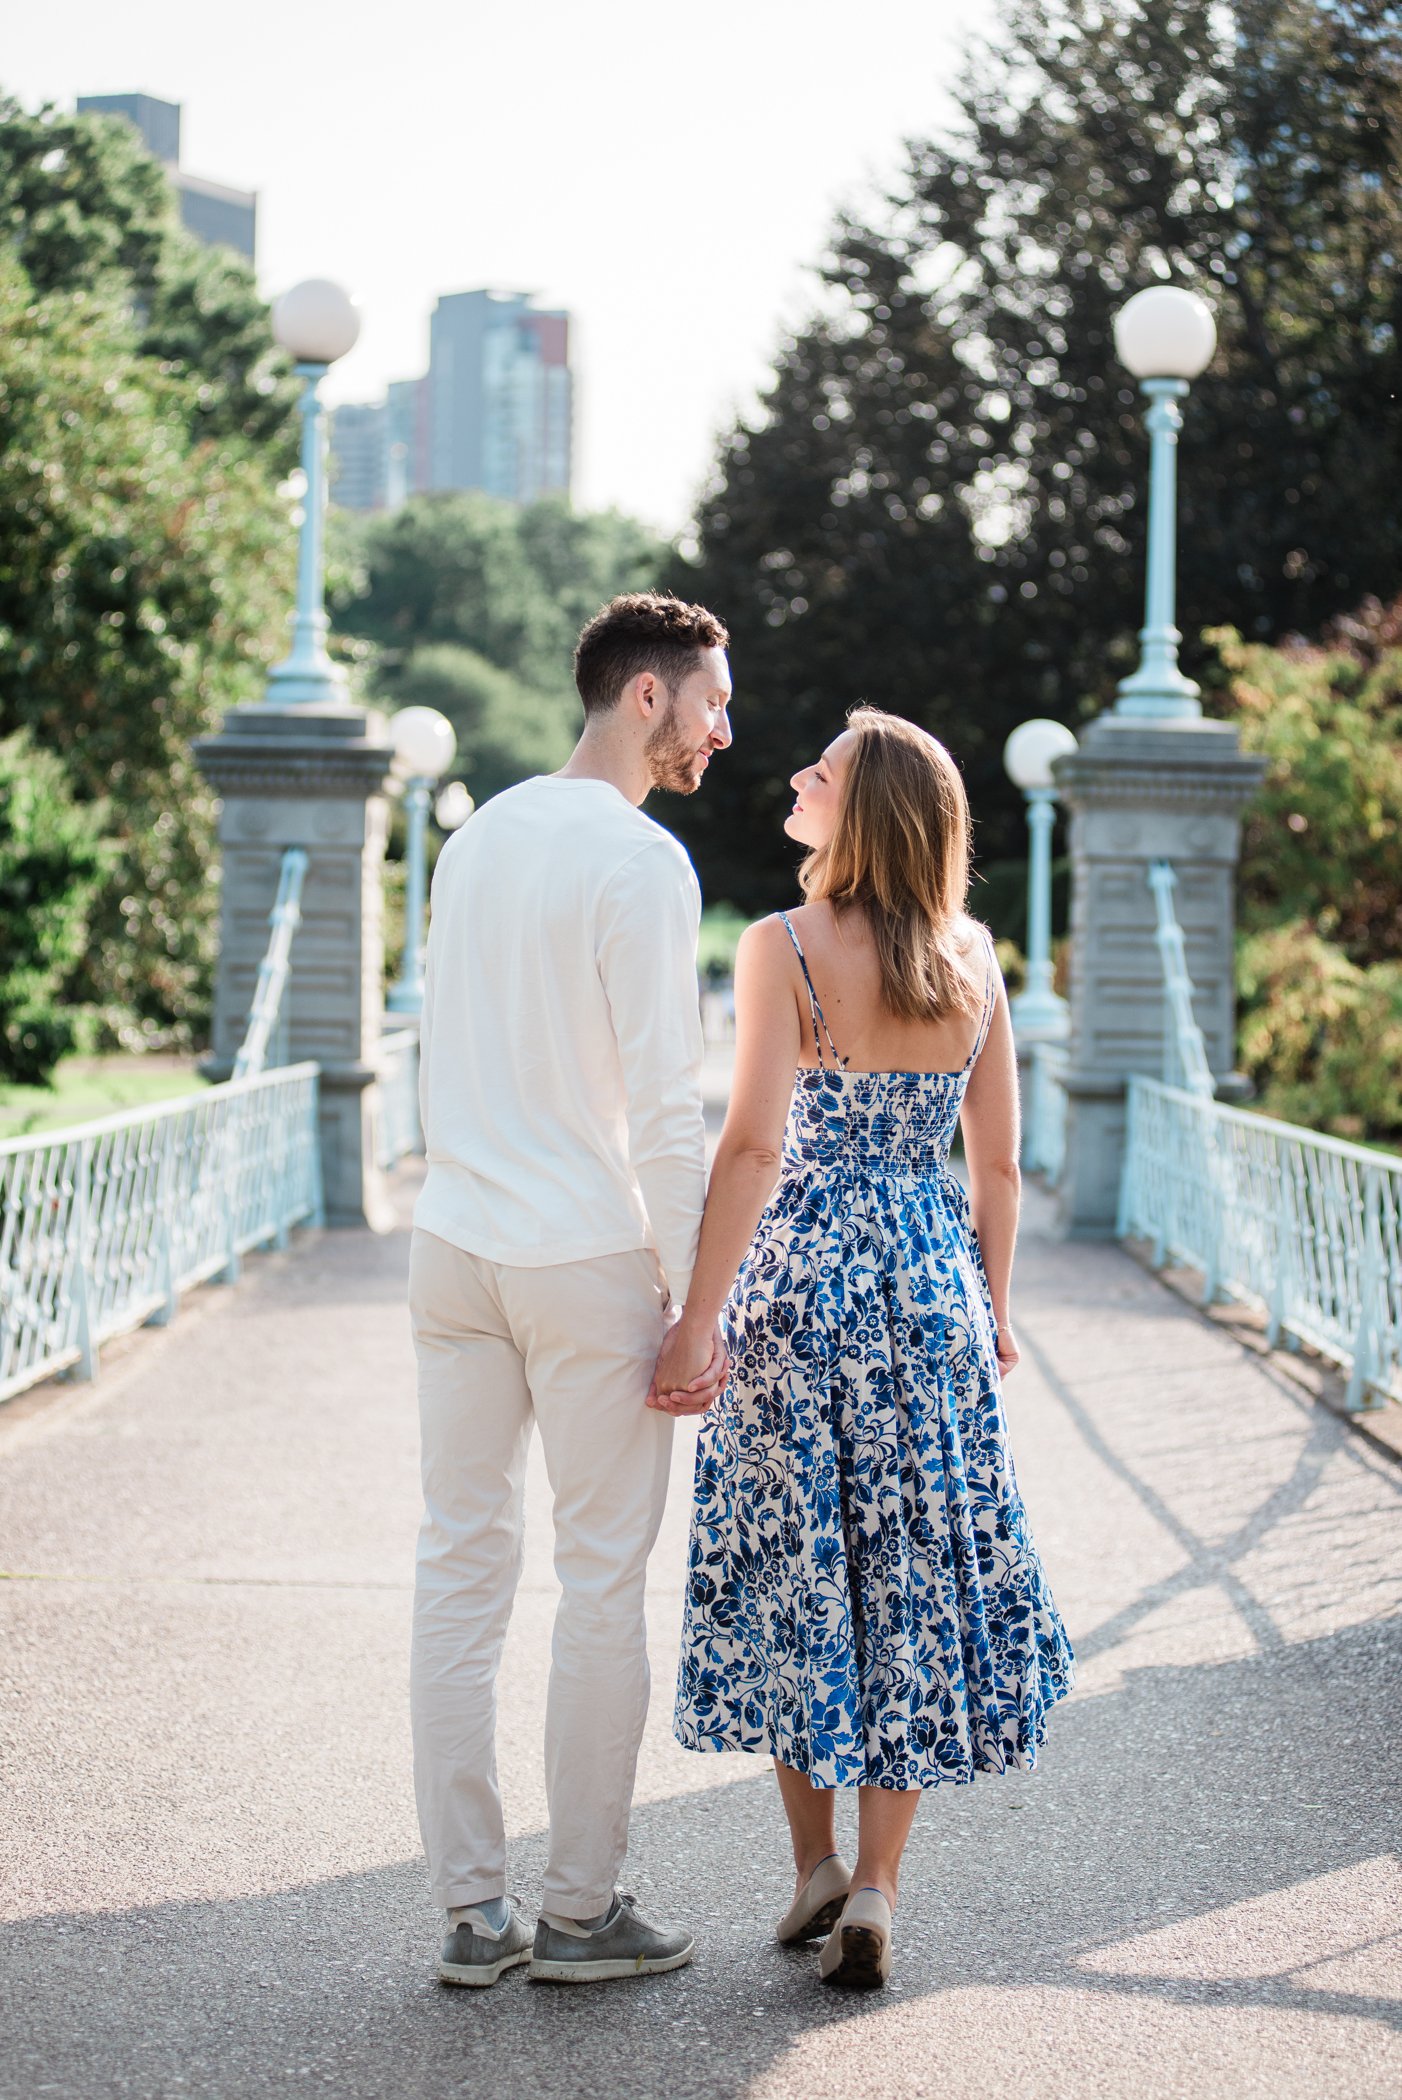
(573,1346)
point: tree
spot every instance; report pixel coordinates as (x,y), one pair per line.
(1319,971)
(144,578)
(1322,838)
(84,207)
(940,507)
(50,872)
(514,585)
(145,554)
(505,730)
(473,606)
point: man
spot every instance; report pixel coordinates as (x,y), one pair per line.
(554,1240)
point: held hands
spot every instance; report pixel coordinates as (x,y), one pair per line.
(692,1368)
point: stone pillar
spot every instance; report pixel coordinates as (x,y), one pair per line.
(1141,791)
(312,776)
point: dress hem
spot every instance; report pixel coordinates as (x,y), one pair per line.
(977,1767)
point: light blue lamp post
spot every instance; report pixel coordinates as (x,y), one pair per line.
(424,744)
(1028,756)
(317,322)
(1166,336)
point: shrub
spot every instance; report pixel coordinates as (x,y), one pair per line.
(51,869)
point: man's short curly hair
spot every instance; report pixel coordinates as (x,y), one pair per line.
(642,631)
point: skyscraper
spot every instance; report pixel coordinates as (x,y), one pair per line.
(500,396)
(406,414)
(494,411)
(214,213)
(360,455)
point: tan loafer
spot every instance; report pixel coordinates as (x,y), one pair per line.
(857,1955)
(818,1905)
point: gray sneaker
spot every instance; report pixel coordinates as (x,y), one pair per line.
(623,1945)
(473,1953)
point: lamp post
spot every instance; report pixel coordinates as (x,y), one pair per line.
(317,322)
(1028,756)
(453,807)
(424,744)
(1166,336)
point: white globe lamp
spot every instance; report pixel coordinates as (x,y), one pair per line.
(316,322)
(1165,333)
(1166,337)
(1031,749)
(453,807)
(424,742)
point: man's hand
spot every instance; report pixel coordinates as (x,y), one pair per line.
(692,1368)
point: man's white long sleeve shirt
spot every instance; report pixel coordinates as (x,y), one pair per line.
(560,1056)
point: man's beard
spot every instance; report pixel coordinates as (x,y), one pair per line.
(674,764)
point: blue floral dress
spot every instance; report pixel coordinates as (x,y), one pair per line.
(864,1600)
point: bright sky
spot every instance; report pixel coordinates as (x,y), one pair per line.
(668,174)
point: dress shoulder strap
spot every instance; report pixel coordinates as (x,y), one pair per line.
(990,992)
(818,1016)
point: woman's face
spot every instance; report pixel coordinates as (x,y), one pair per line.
(818,789)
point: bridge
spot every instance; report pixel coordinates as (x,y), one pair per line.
(211,1861)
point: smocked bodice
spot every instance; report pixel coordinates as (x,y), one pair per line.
(872,1124)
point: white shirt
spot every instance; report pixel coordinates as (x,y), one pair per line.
(560,1056)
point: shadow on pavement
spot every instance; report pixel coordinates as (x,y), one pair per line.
(1159,1805)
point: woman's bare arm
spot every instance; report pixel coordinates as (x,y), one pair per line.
(989,1120)
(747,1157)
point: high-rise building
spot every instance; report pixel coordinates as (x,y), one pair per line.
(214,213)
(500,396)
(360,455)
(407,435)
(494,411)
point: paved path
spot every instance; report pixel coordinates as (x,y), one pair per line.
(209,1864)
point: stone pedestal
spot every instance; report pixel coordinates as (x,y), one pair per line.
(1138,792)
(309,776)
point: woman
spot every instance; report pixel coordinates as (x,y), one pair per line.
(864,1599)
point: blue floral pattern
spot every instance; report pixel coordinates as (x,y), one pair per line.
(864,1599)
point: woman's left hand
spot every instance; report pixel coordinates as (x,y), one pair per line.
(691,1371)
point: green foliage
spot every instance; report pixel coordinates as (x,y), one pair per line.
(506,730)
(143,581)
(721,928)
(1320,1036)
(940,508)
(473,606)
(50,872)
(85,208)
(1319,967)
(1322,840)
(514,585)
(145,556)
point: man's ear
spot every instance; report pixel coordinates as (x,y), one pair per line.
(645,686)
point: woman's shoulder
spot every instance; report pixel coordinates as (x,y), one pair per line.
(766,935)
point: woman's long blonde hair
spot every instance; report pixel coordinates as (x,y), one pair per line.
(901,851)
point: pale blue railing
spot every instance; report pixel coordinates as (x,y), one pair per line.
(1306,1228)
(103,1227)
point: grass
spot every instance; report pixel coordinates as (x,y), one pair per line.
(84,1088)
